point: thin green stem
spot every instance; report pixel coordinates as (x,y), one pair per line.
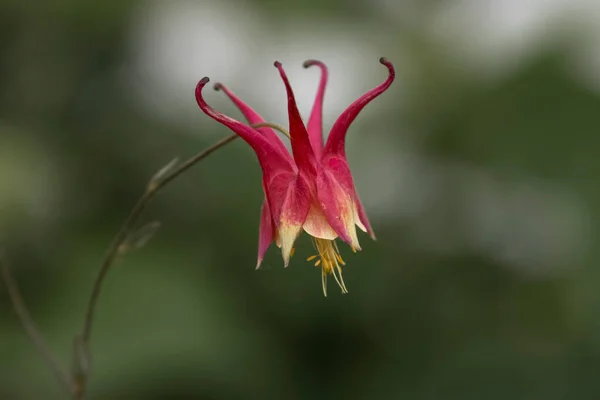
(274,126)
(31,329)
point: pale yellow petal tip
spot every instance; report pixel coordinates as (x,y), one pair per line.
(354,243)
(286,257)
(288,234)
(258,263)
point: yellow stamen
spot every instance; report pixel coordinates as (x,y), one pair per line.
(330,261)
(292,252)
(337,249)
(272,125)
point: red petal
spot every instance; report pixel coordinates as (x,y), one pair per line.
(301,147)
(337,137)
(289,202)
(254,118)
(315,122)
(337,204)
(271,161)
(340,169)
(362,217)
(266,231)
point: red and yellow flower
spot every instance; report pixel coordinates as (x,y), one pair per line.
(312,188)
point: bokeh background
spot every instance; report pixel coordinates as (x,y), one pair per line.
(479,169)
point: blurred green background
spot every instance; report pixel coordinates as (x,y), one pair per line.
(479,170)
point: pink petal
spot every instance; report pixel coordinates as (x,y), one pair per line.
(337,137)
(254,118)
(364,225)
(340,169)
(288,193)
(315,122)
(337,204)
(266,231)
(301,147)
(289,202)
(271,161)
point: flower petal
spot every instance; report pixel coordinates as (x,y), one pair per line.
(301,147)
(266,231)
(289,202)
(360,218)
(254,118)
(337,137)
(337,204)
(316,224)
(315,122)
(340,169)
(271,161)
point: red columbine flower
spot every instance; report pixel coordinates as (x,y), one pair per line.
(311,189)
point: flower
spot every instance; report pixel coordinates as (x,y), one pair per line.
(312,188)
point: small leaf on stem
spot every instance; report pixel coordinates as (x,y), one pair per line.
(139,238)
(164,171)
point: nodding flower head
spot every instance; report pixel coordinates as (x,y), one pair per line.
(312,188)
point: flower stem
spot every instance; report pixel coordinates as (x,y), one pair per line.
(152,189)
(272,125)
(31,329)
(76,382)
